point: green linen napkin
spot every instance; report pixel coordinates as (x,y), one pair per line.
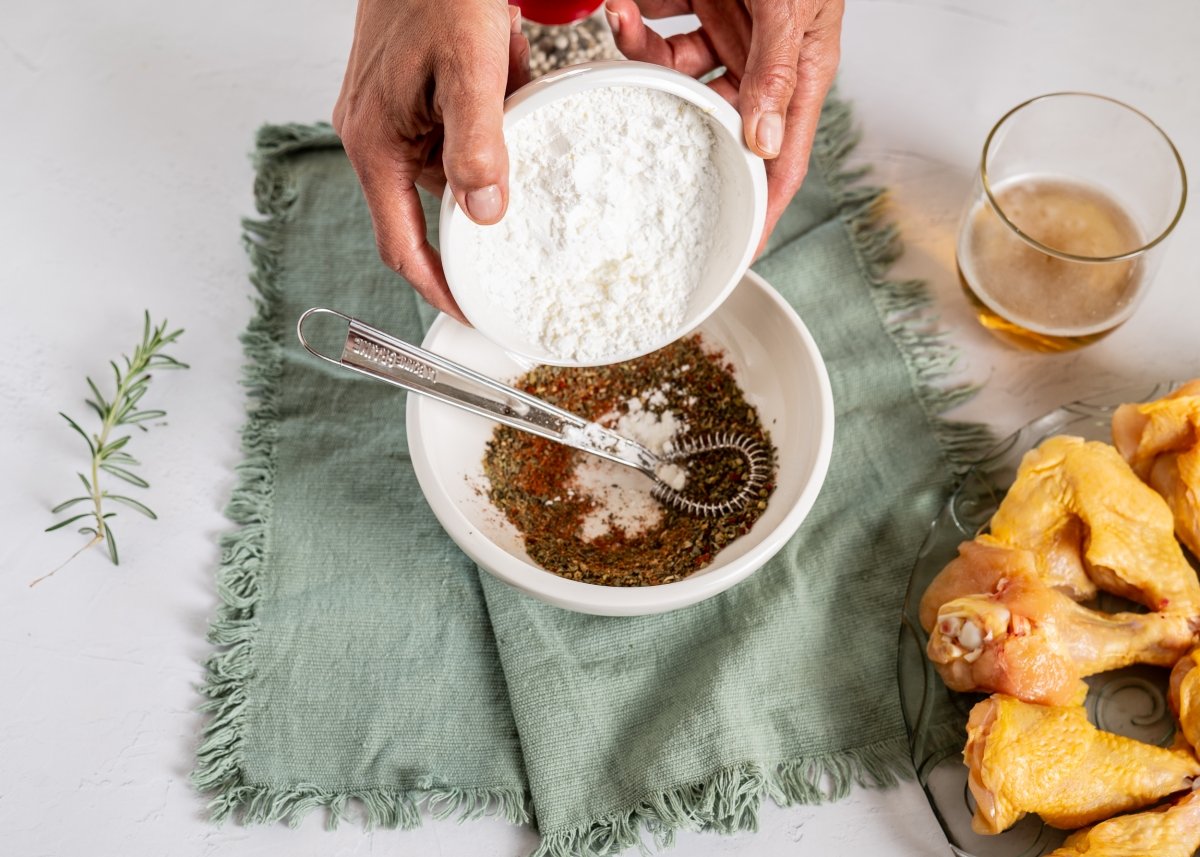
(363,656)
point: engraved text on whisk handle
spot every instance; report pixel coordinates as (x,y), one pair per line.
(377,354)
(359,351)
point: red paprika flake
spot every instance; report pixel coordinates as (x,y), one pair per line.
(532,480)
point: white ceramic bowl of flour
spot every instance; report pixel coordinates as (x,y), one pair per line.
(635,208)
(780,371)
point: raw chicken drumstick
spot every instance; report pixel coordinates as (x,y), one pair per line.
(1161,441)
(1084,513)
(1170,831)
(1033,642)
(1051,761)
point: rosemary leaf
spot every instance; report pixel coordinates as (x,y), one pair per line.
(121,473)
(115,445)
(68,504)
(100,405)
(133,504)
(82,434)
(164,361)
(135,396)
(112,544)
(71,520)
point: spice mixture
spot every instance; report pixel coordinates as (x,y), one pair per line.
(592,520)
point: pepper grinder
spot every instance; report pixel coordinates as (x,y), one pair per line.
(565,32)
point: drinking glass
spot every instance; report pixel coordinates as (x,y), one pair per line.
(1068,218)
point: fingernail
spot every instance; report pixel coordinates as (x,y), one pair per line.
(484,205)
(614,20)
(514,19)
(770,133)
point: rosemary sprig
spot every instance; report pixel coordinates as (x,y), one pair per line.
(109,455)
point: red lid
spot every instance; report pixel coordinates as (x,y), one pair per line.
(556,12)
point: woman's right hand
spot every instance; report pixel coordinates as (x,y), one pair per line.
(422,103)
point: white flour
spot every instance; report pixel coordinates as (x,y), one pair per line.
(613,197)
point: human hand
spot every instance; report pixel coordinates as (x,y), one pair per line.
(779,57)
(422,103)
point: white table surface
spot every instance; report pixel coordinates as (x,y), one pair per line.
(123,170)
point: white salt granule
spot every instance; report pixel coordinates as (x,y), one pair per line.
(613,197)
(673,475)
(622,495)
(652,430)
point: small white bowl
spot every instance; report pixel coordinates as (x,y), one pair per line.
(778,368)
(742,207)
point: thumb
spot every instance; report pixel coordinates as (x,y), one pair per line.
(770,78)
(471,99)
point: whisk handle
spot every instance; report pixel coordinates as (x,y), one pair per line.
(371,352)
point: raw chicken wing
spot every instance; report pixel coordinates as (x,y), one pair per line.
(1183,693)
(1161,441)
(1033,642)
(1083,512)
(1171,831)
(1051,761)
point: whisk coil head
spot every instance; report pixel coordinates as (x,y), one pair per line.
(755,454)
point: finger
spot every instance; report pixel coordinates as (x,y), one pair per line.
(433,176)
(725,88)
(664,8)
(689,53)
(729,30)
(786,173)
(518,54)
(470,99)
(386,173)
(820,52)
(819,55)
(770,77)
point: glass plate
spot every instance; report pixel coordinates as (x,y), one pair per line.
(1130,701)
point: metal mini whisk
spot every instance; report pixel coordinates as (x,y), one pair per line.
(378,355)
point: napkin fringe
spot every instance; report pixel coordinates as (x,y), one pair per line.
(378,807)
(729,800)
(221,765)
(905,306)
